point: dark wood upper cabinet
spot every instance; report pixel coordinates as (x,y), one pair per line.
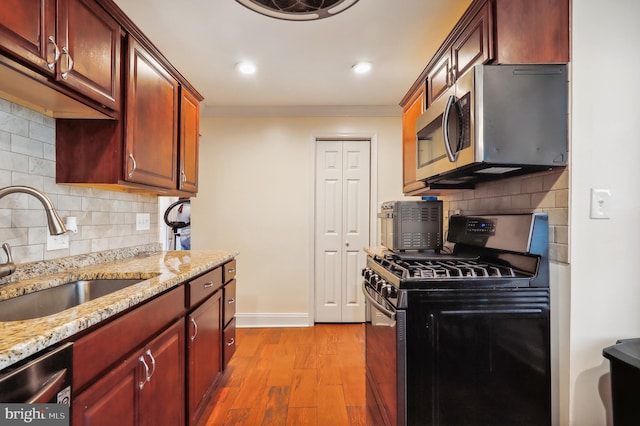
(151,121)
(28,31)
(473,46)
(189,141)
(85,59)
(89,40)
(154,149)
(410,113)
(74,42)
(532,31)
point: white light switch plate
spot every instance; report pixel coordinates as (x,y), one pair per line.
(57,242)
(143,221)
(600,203)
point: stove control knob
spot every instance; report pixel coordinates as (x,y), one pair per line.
(390,292)
(366,273)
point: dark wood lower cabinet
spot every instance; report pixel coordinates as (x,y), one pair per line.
(204,354)
(144,389)
(159,363)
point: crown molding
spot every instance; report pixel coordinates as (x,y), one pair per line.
(303,111)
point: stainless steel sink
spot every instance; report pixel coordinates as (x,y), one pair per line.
(56,299)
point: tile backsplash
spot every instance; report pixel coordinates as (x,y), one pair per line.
(106,220)
(543,192)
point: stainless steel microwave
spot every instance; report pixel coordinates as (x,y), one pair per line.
(496,121)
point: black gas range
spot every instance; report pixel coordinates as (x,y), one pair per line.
(461,336)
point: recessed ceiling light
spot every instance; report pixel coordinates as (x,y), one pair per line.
(298,10)
(247,68)
(362,67)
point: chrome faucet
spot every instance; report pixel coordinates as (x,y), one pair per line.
(55,224)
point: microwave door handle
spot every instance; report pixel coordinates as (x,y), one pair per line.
(445,129)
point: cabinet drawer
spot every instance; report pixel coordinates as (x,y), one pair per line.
(229,301)
(229,271)
(229,342)
(99,349)
(205,285)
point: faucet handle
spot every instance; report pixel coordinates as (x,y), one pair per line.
(9,267)
(7,250)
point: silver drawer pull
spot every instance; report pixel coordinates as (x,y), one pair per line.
(231,270)
(231,301)
(231,342)
(208,285)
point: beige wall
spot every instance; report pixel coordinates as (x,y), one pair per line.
(605,287)
(256,196)
(106,220)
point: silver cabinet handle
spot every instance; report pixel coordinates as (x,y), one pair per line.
(231,342)
(56,54)
(65,74)
(232,270)
(133,164)
(231,301)
(208,284)
(153,364)
(183,176)
(146,372)
(195,329)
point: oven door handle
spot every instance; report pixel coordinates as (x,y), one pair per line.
(388,313)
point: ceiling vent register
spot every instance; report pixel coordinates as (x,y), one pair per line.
(298,10)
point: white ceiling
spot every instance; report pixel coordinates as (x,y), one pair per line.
(301,65)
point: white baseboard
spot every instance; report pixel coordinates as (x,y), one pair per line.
(263,320)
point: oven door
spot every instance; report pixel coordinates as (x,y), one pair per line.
(385,361)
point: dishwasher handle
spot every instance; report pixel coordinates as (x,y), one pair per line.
(49,388)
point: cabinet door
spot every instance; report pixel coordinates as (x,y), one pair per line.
(439,78)
(475,45)
(229,302)
(90,44)
(204,353)
(151,135)
(162,397)
(189,141)
(410,114)
(112,399)
(25,29)
(229,342)
(151,121)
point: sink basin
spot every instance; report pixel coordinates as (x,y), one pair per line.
(56,299)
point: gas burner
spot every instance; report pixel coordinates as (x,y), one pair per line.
(435,269)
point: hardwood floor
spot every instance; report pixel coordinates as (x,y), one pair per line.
(293,376)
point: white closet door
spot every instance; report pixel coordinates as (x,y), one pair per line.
(342,228)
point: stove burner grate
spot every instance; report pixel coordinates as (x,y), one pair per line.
(434,269)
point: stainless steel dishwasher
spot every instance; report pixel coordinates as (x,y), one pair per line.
(45,378)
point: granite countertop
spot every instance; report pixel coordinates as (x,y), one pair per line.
(160,271)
